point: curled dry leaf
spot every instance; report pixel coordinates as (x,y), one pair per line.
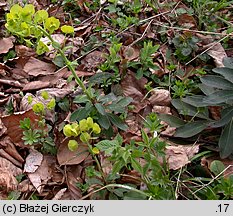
(12,123)
(161,109)
(6,44)
(41,176)
(8,174)
(93,60)
(179,156)
(160,97)
(67,157)
(33,161)
(35,67)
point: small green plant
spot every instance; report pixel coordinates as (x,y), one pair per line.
(218,91)
(31,26)
(185,45)
(182,88)
(145,60)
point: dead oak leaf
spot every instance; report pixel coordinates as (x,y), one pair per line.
(34,85)
(179,156)
(36,67)
(6,44)
(33,161)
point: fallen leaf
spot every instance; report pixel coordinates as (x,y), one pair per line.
(179,156)
(34,85)
(67,157)
(59,194)
(160,97)
(41,176)
(35,67)
(33,161)
(12,123)
(6,44)
(93,60)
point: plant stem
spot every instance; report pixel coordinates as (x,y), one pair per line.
(68,63)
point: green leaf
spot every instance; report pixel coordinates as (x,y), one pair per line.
(216,167)
(225,141)
(187,109)
(195,100)
(136,165)
(81,99)
(120,105)
(103,121)
(172,120)
(100,77)
(79,114)
(117,121)
(226,72)
(117,166)
(59,61)
(190,129)
(218,97)
(228,62)
(226,116)
(217,82)
(100,108)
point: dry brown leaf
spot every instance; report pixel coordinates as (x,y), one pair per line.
(55,92)
(75,192)
(5,164)
(59,194)
(12,123)
(6,44)
(36,67)
(187,21)
(93,60)
(7,180)
(24,51)
(130,53)
(67,157)
(35,85)
(33,161)
(179,156)
(160,97)
(40,177)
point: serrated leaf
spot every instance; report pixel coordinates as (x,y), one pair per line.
(226,72)
(217,167)
(217,82)
(119,106)
(79,114)
(172,120)
(117,167)
(107,146)
(81,99)
(190,129)
(225,141)
(136,165)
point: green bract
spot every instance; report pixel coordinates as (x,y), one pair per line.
(38,107)
(41,48)
(83,125)
(96,128)
(71,130)
(73,145)
(85,137)
(67,29)
(52,24)
(40,16)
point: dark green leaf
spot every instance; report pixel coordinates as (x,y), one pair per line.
(217,82)
(117,166)
(107,146)
(226,72)
(117,121)
(218,97)
(172,120)
(187,109)
(100,108)
(217,167)
(225,141)
(99,77)
(79,114)
(207,90)
(228,62)
(226,116)
(103,121)
(191,129)
(195,100)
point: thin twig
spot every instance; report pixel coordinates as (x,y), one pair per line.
(214,44)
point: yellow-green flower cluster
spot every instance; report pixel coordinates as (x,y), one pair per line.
(83,129)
